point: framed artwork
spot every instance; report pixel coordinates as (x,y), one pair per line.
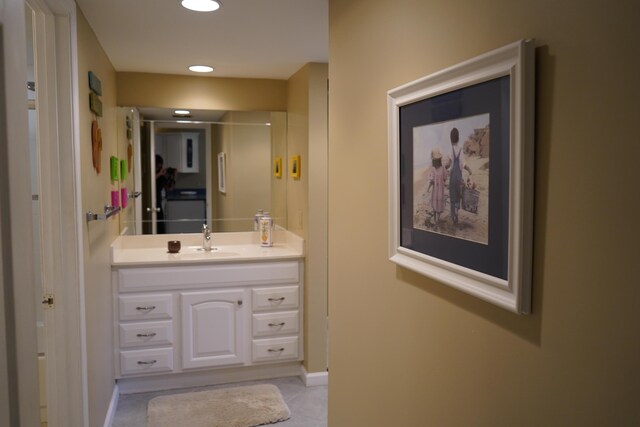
(461,176)
(294,167)
(114,164)
(222,173)
(95,105)
(277,167)
(95,84)
(123,169)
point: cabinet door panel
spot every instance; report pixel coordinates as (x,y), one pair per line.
(212,328)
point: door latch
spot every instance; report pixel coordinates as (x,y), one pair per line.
(47,300)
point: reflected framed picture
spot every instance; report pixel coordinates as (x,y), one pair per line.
(461,176)
(277,167)
(222,173)
(294,167)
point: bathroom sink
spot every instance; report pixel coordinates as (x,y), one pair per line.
(197,252)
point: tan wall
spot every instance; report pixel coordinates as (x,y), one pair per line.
(97,235)
(316,272)
(306,199)
(201,93)
(408,351)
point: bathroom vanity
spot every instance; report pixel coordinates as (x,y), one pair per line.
(234,312)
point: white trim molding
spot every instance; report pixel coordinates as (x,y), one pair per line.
(113,406)
(314,379)
(208,377)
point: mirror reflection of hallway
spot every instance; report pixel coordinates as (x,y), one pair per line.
(191,191)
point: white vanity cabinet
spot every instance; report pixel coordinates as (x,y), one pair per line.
(187,318)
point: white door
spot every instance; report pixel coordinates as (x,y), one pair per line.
(18,368)
(213,328)
(55,211)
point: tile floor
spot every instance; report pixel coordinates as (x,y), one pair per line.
(308,405)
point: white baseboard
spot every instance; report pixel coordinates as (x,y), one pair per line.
(210,377)
(113,405)
(314,378)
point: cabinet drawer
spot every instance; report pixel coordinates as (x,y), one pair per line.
(146,334)
(280,298)
(275,349)
(279,323)
(143,307)
(146,361)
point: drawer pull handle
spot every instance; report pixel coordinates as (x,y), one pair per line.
(276,350)
(276,299)
(239,302)
(146,308)
(146,362)
(277,324)
(147,335)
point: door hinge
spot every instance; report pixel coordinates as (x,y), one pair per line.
(47,300)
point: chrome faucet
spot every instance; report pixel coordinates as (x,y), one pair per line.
(206,237)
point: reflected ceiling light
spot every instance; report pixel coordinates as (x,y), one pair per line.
(201,5)
(201,68)
(184,121)
(182,112)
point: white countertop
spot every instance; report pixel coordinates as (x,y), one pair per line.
(227,247)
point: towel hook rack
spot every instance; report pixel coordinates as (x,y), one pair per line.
(109,211)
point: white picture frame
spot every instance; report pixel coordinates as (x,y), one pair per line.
(222,173)
(428,233)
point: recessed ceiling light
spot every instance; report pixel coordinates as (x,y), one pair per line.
(182,112)
(201,68)
(201,5)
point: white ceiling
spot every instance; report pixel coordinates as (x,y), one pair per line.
(244,38)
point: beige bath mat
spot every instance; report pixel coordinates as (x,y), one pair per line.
(228,407)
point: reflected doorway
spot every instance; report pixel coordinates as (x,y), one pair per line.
(36,210)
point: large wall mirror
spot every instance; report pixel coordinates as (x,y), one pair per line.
(202,167)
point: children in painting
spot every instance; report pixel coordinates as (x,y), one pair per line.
(455,178)
(436,185)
